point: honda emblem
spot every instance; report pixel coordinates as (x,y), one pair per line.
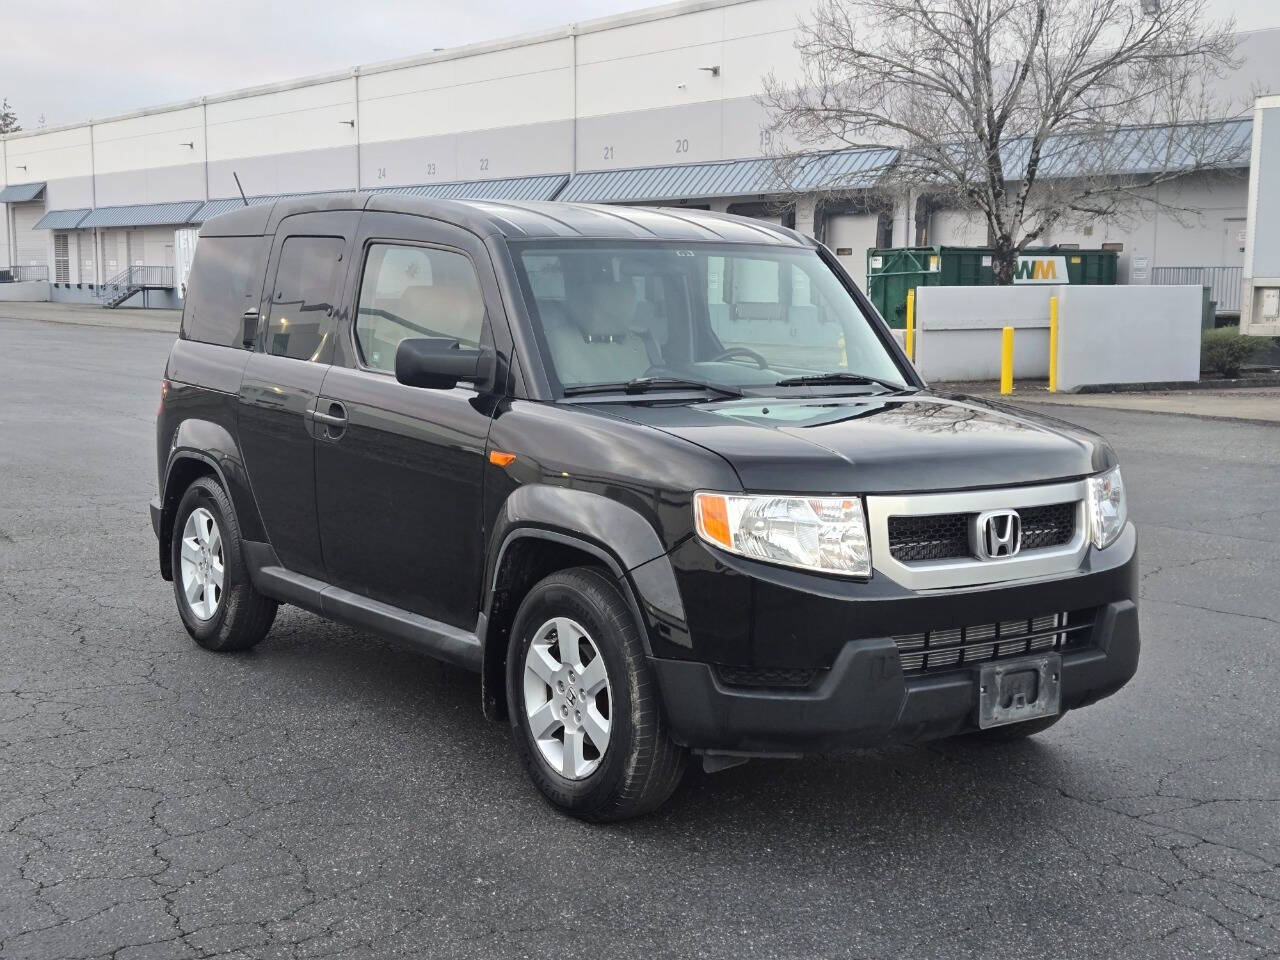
(997,534)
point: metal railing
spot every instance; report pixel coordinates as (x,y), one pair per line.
(143,275)
(1223,282)
(130,280)
(22,274)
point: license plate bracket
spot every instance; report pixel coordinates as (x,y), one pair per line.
(1017,690)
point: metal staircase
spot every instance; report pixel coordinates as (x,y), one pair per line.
(133,280)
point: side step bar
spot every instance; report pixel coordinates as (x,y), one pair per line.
(440,640)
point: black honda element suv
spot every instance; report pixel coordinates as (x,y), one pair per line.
(664,478)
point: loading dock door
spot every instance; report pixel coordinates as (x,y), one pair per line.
(30,246)
(851,235)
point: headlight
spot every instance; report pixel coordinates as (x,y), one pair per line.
(1107,511)
(827,534)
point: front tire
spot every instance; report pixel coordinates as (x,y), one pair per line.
(585,711)
(218,605)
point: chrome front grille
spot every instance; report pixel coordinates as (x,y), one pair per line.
(948,648)
(945,536)
(1047,526)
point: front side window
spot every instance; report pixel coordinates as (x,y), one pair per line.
(733,314)
(415,292)
(302,318)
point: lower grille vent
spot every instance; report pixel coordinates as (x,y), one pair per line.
(946,649)
(777,677)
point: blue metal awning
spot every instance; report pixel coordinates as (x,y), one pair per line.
(1133,151)
(22,192)
(143,215)
(845,169)
(62,219)
(513,188)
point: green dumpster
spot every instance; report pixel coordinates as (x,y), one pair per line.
(891,272)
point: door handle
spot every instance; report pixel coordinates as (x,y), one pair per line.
(335,420)
(332,419)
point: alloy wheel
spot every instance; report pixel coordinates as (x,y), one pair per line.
(567,699)
(203,564)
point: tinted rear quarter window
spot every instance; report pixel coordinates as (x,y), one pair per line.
(302,315)
(225,281)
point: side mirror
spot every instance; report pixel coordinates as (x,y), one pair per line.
(438,363)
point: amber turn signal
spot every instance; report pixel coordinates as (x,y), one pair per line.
(500,458)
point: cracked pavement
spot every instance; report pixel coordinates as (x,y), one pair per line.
(330,795)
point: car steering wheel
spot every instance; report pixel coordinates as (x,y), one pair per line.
(732,352)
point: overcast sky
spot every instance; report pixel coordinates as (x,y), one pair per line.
(73,60)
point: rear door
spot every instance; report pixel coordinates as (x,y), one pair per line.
(399,479)
(299,315)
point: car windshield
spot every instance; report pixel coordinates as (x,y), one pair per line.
(732,315)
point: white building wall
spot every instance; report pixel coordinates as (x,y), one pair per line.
(61,158)
(155,158)
(1196,220)
(625,91)
(301,139)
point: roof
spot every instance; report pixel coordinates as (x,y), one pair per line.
(214,208)
(512,188)
(523,220)
(61,219)
(142,214)
(571,221)
(22,192)
(1133,151)
(848,169)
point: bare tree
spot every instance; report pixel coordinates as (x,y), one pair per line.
(8,119)
(1031,112)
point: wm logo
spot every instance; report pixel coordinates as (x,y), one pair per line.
(1029,269)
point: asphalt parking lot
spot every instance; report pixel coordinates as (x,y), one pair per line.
(329,795)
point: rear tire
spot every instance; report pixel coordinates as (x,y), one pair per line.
(576,676)
(218,604)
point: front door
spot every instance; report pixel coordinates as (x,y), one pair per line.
(398,483)
(282,379)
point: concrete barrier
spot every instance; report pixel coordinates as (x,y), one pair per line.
(1141,334)
(1107,334)
(29,290)
(958,331)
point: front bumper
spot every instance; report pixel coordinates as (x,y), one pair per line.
(863,698)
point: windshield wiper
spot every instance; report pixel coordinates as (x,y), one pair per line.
(836,377)
(646,384)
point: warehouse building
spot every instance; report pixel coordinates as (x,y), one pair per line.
(655,107)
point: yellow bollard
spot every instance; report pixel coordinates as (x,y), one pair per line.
(1006,361)
(910,338)
(1053,344)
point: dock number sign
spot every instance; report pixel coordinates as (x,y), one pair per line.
(1040,269)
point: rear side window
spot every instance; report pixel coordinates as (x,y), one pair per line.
(416,292)
(225,281)
(302,318)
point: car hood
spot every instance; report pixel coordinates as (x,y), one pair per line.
(869,444)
